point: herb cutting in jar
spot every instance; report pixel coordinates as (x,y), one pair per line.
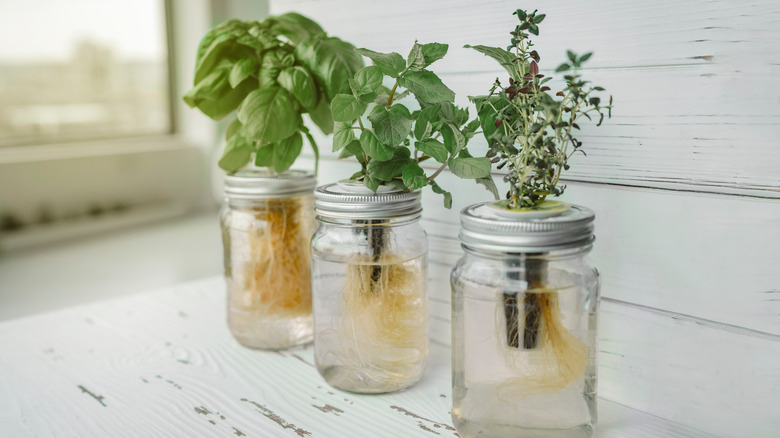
(531,132)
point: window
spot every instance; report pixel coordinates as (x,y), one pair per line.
(83,69)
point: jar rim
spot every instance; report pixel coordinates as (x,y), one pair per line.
(349,200)
(255,183)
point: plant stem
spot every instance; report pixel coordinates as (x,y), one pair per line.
(438,171)
(392,92)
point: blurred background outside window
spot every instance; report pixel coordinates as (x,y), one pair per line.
(82,69)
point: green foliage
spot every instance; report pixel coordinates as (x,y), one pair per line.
(529,129)
(271,72)
(396,144)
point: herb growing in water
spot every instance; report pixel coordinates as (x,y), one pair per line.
(270,73)
(530,130)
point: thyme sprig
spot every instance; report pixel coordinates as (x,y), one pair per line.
(528,129)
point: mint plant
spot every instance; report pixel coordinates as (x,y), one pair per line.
(270,72)
(528,129)
(391,147)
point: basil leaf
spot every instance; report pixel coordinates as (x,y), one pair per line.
(241,70)
(227,102)
(434,149)
(504,57)
(391,124)
(426,86)
(264,157)
(415,60)
(286,151)
(217,45)
(295,27)
(433,52)
(367,80)
(426,115)
(375,148)
(413,176)
(470,168)
(270,67)
(447,195)
(321,116)
(236,155)
(342,135)
(391,64)
(269,115)
(300,84)
(347,108)
(233,128)
(331,60)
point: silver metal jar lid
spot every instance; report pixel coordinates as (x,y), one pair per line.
(262,184)
(355,201)
(488,228)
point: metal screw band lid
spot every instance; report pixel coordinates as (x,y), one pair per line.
(488,228)
(262,184)
(355,201)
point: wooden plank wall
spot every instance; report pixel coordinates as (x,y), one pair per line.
(685,182)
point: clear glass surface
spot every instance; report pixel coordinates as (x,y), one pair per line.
(268,271)
(524,345)
(370,304)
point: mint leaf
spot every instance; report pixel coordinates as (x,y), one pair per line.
(300,84)
(368,80)
(241,70)
(413,176)
(391,124)
(433,52)
(415,60)
(371,183)
(387,170)
(391,64)
(286,151)
(470,168)
(375,148)
(454,140)
(342,135)
(268,115)
(236,155)
(505,58)
(447,195)
(426,86)
(434,149)
(264,157)
(490,185)
(347,108)
(355,149)
(426,115)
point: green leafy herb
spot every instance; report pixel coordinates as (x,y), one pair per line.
(393,146)
(530,129)
(271,72)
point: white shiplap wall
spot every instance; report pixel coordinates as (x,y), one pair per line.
(685,182)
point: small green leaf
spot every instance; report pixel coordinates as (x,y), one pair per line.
(241,70)
(264,157)
(538,19)
(387,170)
(470,168)
(413,176)
(371,183)
(375,148)
(355,149)
(298,82)
(563,67)
(504,57)
(342,135)
(415,60)
(447,195)
(367,80)
(236,155)
(426,86)
(585,57)
(489,185)
(426,115)
(286,151)
(347,108)
(571,55)
(391,64)
(454,140)
(434,149)
(433,52)
(233,128)
(268,115)
(391,124)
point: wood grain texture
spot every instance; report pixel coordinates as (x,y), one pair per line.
(164,364)
(696,107)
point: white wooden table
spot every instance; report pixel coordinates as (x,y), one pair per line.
(163,364)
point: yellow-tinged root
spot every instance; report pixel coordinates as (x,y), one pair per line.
(385,329)
(275,279)
(558,361)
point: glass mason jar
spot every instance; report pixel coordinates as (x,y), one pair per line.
(524,316)
(267,223)
(369,278)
